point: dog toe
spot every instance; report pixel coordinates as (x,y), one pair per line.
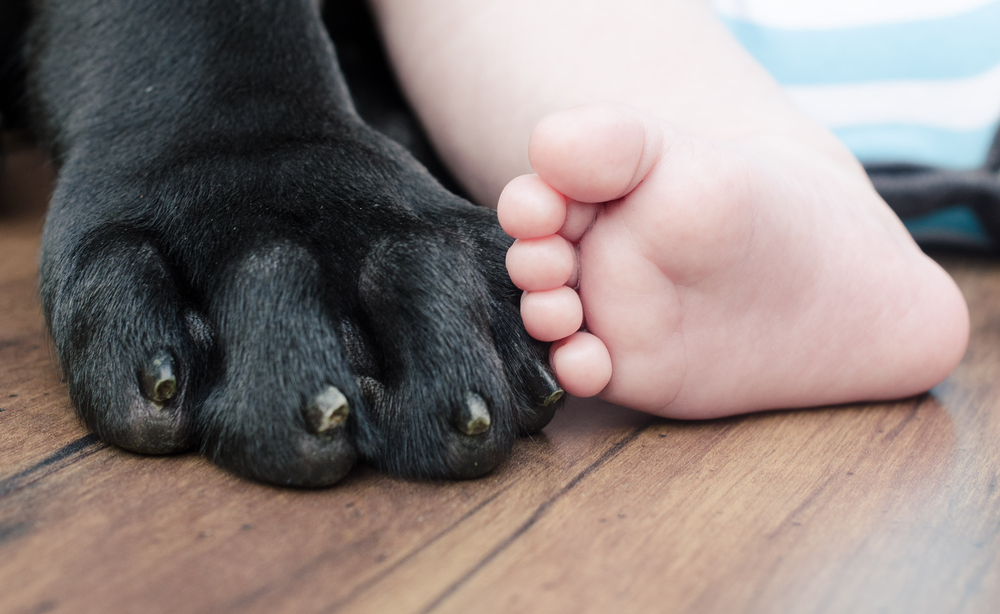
(117,320)
(283,406)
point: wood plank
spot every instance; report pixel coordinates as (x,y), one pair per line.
(890,507)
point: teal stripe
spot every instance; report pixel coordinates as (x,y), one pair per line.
(919,145)
(946,48)
(956,224)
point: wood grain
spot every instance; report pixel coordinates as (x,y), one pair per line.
(892,507)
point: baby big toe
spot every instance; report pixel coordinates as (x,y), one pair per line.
(594,153)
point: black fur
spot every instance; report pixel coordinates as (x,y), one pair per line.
(222,208)
(13,99)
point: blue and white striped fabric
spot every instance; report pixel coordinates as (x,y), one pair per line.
(897,80)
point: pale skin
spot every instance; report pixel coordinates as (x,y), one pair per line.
(726,254)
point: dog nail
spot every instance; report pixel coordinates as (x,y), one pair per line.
(158,381)
(474,419)
(327,411)
(544,386)
(553,398)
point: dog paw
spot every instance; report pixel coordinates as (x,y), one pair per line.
(289,309)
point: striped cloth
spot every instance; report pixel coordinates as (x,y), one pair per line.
(915,81)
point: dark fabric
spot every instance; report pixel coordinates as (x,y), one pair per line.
(913,190)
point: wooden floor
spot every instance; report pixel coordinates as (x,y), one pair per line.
(879,508)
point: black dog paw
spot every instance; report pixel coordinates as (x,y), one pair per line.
(288,316)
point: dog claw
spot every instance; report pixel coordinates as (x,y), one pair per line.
(544,387)
(327,411)
(158,381)
(474,418)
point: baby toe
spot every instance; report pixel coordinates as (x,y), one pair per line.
(551,315)
(529,208)
(541,264)
(582,364)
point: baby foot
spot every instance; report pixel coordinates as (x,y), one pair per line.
(720,278)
